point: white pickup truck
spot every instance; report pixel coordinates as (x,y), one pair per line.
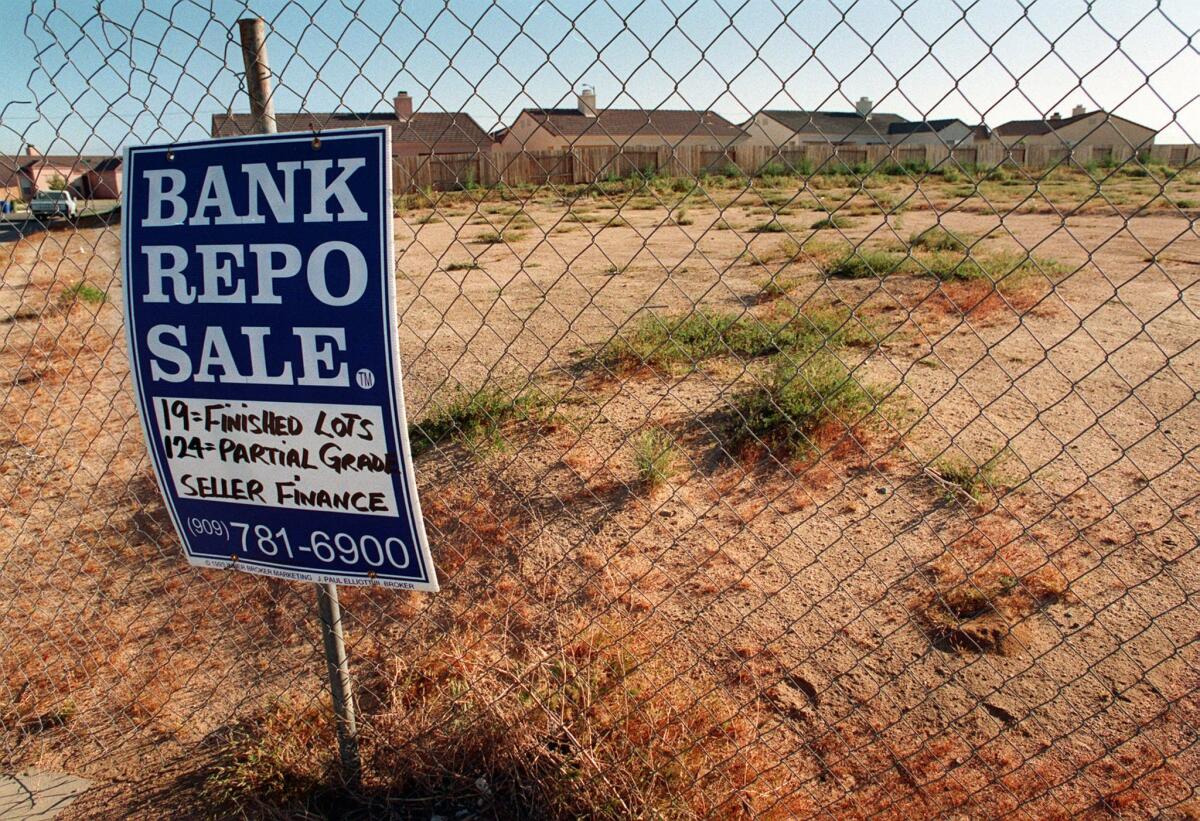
(49,204)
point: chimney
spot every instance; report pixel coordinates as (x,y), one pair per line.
(30,151)
(864,106)
(1078,111)
(403,104)
(1056,116)
(587,101)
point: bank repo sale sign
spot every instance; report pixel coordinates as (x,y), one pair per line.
(261,322)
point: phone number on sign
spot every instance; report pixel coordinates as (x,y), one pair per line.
(327,547)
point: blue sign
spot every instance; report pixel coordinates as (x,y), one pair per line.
(261,321)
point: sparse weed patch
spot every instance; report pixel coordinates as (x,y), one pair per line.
(1005,269)
(832,221)
(463,266)
(961,478)
(862,263)
(797,399)
(498,237)
(581,216)
(655,455)
(938,238)
(769,227)
(87,293)
(667,342)
(773,288)
(476,418)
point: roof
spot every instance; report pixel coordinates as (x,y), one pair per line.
(923,126)
(834,125)
(630,122)
(424,130)
(1027,128)
(10,164)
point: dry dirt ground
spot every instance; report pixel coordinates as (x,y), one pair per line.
(844,630)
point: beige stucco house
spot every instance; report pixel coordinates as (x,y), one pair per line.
(1096,129)
(777,128)
(549,129)
(414,133)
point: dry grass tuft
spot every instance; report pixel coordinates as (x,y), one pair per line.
(987,584)
(601,726)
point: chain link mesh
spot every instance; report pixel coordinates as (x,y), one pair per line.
(773,466)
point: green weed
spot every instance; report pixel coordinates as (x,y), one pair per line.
(88,293)
(937,238)
(686,340)
(865,264)
(498,237)
(769,227)
(832,222)
(476,417)
(655,455)
(961,477)
(1007,268)
(799,398)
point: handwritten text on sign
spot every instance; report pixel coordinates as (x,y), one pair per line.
(261,325)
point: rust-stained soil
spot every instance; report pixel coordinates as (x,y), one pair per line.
(891,644)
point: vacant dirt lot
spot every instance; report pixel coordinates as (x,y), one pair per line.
(960,577)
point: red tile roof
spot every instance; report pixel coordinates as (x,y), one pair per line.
(431,132)
(633,122)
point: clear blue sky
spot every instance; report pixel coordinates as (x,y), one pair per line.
(141,71)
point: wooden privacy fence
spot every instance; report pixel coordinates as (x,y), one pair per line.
(581,165)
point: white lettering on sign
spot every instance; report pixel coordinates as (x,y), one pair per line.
(257,276)
(172,202)
(336,275)
(320,353)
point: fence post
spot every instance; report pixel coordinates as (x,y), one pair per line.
(258,73)
(258,86)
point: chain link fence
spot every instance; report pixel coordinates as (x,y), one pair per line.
(783,452)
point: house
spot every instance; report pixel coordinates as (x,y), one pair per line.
(91,176)
(15,183)
(414,134)
(1093,129)
(549,129)
(951,132)
(778,128)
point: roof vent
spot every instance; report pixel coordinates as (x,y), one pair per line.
(864,106)
(1078,111)
(1055,116)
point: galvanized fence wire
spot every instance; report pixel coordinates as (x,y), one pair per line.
(776,462)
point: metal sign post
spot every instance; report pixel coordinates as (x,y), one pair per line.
(262,109)
(260,311)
